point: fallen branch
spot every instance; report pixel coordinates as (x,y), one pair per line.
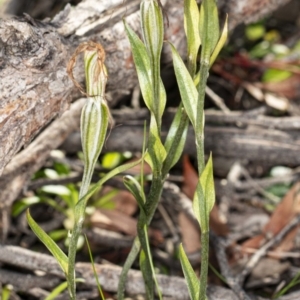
(240,141)
(173,287)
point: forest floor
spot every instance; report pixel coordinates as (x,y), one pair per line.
(253,131)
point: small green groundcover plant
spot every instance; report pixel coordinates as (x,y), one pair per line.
(204,42)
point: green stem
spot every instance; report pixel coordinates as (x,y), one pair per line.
(71,259)
(86,180)
(151,262)
(199,133)
(135,249)
(199,130)
(155,79)
(204,264)
(153,197)
(151,205)
(144,221)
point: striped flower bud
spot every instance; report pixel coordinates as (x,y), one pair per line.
(152,28)
(95,114)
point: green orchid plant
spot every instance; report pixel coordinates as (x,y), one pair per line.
(202,30)
(204,42)
(95,118)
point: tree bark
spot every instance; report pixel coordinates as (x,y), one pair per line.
(19,171)
(240,11)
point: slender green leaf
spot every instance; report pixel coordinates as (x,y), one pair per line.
(152,28)
(217,273)
(207,182)
(157,152)
(142,64)
(143,68)
(290,285)
(94,269)
(59,255)
(153,34)
(59,289)
(188,92)
(160,151)
(209,28)
(204,197)
(216,51)
(162,98)
(220,43)
(176,138)
(197,202)
(136,190)
(82,202)
(189,274)
(191,26)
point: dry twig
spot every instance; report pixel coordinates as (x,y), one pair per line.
(263,250)
(233,282)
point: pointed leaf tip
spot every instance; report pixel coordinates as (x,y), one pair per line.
(189,274)
(58,254)
(204,198)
